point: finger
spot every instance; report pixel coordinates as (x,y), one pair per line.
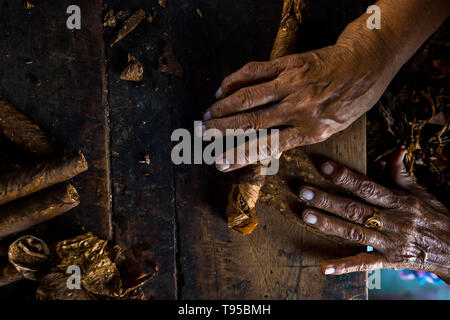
(337,227)
(346,208)
(251,73)
(358,263)
(245,99)
(267,117)
(360,185)
(258,149)
(406,181)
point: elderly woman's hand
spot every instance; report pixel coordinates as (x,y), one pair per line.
(415,227)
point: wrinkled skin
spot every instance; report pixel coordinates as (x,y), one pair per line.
(303,91)
(313,95)
(415,226)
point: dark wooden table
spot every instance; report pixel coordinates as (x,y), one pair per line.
(68,82)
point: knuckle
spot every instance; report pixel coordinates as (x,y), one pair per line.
(227,81)
(322,201)
(252,67)
(367,189)
(244,98)
(343,177)
(354,211)
(414,204)
(356,234)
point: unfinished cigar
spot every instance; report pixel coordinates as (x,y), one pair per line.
(245,191)
(37,208)
(286,38)
(8,273)
(20,183)
(19,129)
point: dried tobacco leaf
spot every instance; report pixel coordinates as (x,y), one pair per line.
(134,70)
(162,3)
(110,19)
(130,25)
(100,264)
(8,273)
(168,62)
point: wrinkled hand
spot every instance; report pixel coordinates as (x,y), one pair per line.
(415,232)
(310,96)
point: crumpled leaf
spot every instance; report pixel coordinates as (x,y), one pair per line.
(134,70)
(99,264)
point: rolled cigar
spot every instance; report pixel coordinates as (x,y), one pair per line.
(19,129)
(245,191)
(23,182)
(37,208)
(8,273)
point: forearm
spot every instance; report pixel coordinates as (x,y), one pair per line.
(405,25)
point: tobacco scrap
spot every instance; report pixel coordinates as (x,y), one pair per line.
(40,207)
(162,3)
(134,70)
(168,62)
(19,129)
(110,19)
(130,25)
(23,182)
(106,272)
(101,264)
(28,5)
(8,273)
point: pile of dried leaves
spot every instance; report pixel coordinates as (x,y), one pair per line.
(414,113)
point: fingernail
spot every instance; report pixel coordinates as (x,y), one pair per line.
(207,116)
(223,167)
(327,168)
(310,219)
(329,270)
(219,93)
(306,194)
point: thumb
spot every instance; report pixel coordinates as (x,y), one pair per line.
(407,181)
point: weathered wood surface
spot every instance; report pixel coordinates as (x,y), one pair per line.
(55,76)
(280,260)
(140,116)
(173,216)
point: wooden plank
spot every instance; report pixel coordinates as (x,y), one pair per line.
(144,216)
(279,260)
(55,76)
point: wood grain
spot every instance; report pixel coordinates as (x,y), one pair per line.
(280,259)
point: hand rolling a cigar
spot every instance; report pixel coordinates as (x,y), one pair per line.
(313,95)
(24,200)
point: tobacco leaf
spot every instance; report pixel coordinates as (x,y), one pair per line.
(134,70)
(129,25)
(100,264)
(168,62)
